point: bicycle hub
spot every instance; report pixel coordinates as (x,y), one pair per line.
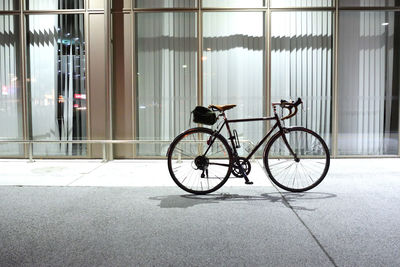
(201,162)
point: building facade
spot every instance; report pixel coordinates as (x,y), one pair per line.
(95,78)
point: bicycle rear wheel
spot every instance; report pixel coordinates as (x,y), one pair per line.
(200,161)
(303,173)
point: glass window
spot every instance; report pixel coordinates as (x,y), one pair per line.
(165,3)
(369,3)
(233,68)
(10,85)
(302,3)
(233,3)
(301,66)
(96,4)
(368,97)
(56,82)
(54,5)
(166,77)
(7,5)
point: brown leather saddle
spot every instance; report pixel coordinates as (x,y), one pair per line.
(221,107)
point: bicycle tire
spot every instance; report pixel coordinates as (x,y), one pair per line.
(187,164)
(290,175)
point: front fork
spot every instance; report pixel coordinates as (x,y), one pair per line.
(284,131)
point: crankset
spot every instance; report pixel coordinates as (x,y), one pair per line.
(245,165)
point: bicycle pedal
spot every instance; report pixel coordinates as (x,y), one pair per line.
(248,182)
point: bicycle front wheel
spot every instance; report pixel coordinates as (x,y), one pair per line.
(303,171)
(200,161)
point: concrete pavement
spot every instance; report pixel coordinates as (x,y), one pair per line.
(129,213)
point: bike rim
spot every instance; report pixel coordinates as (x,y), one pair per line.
(308,171)
(188,163)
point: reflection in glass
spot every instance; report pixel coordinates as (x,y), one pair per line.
(53,5)
(233,3)
(301,66)
(302,3)
(56,82)
(368,97)
(10,86)
(166,76)
(165,3)
(233,67)
(8,5)
(370,3)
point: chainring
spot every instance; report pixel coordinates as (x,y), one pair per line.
(245,165)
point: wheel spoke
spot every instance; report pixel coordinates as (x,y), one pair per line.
(189,149)
(293,175)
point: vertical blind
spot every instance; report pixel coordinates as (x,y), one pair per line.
(54,4)
(301,66)
(166,76)
(165,3)
(7,5)
(56,82)
(368,83)
(301,3)
(233,67)
(368,3)
(233,3)
(10,85)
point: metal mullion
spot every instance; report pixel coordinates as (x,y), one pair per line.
(165,9)
(170,10)
(11,12)
(120,12)
(82,86)
(268,53)
(134,81)
(286,9)
(25,105)
(107,29)
(335,87)
(58,11)
(94,12)
(199,53)
(87,84)
(229,9)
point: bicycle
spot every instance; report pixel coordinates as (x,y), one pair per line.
(200,160)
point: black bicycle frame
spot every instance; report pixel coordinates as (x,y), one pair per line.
(231,137)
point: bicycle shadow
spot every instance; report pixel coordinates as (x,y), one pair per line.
(286,198)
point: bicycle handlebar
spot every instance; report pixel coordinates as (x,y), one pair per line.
(288,105)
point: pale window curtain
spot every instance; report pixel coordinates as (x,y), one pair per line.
(233,68)
(8,5)
(301,66)
(54,4)
(366,86)
(167,77)
(301,3)
(10,94)
(367,3)
(165,3)
(233,3)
